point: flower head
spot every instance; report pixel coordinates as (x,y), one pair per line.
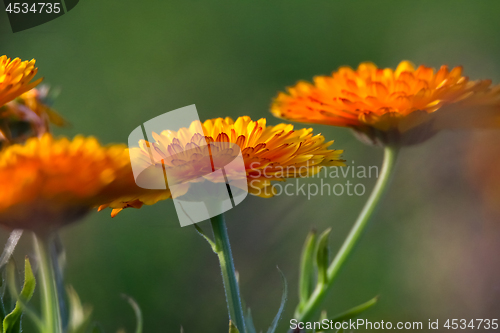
(15,78)
(402,106)
(270,153)
(49,182)
(39,101)
(28,115)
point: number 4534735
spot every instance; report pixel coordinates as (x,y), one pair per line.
(462,324)
(36,8)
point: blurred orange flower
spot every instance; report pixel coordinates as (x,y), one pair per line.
(49,182)
(400,107)
(28,115)
(15,78)
(270,153)
(37,100)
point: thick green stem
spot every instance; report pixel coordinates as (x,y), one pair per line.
(306,312)
(47,280)
(223,250)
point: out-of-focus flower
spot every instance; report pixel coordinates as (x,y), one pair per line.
(28,115)
(15,78)
(270,153)
(49,182)
(396,107)
(39,101)
(482,164)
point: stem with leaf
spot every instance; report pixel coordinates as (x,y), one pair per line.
(43,244)
(309,305)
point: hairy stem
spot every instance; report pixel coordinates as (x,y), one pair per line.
(223,251)
(319,293)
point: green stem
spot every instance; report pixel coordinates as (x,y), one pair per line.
(46,278)
(390,155)
(223,251)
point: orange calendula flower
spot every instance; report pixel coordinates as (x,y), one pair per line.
(15,78)
(270,153)
(401,107)
(49,182)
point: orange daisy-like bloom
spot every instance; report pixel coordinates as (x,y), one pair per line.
(270,153)
(403,106)
(49,182)
(15,78)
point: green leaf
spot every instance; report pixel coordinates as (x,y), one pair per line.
(79,315)
(284,296)
(204,235)
(307,268)
(247,317)
(232,328)
(6,301)
(322,257)
(12,322)
(356,310)
(3,295)
(249,322)
(138,313)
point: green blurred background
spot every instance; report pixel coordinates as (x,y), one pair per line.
(430,253)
